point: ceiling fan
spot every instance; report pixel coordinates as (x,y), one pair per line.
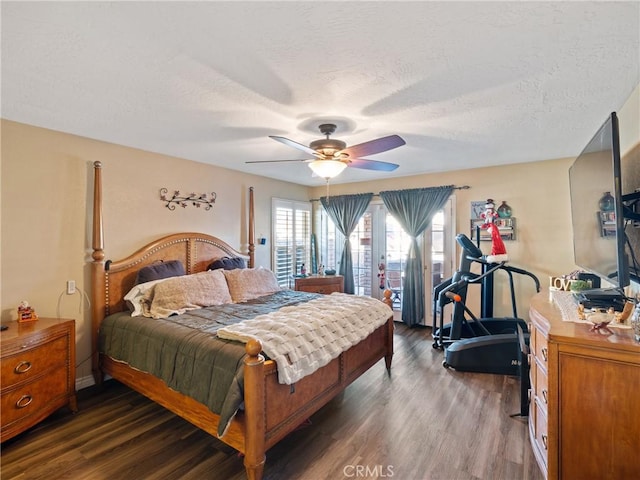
(332,156)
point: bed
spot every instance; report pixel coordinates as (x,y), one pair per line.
(271,409)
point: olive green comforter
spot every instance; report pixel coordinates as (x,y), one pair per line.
(184,351)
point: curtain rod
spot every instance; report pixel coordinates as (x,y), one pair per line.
(463,187)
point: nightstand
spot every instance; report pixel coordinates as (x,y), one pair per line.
(325,284)
(37,372)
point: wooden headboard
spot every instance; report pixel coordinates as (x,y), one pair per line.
(111,280)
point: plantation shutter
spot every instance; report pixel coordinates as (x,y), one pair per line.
(292,236)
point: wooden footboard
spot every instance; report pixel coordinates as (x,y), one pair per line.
(272,410)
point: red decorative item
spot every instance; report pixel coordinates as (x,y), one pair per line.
(498,250)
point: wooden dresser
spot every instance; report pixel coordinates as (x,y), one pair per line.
(325,284)
(37,372)
(584,413)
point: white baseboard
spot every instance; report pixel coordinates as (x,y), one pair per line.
(84,382)
(88,381)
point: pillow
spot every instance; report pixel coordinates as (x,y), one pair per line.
(249,283)
(157,271)
(188,292)
(227,263)
(136,295)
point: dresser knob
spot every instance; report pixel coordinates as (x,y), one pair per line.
(545,354)
(544,395)
(22,367)
(24,401)
(544,442)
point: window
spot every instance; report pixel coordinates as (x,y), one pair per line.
(291,239)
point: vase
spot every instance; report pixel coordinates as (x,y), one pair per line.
(504,210)
(606,202)
(635,321)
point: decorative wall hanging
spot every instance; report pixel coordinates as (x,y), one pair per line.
(206,199)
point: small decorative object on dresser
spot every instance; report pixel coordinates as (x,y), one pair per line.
(37,367)
(318,284)
(635,321)
(26,313)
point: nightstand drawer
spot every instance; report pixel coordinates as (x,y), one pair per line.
(324,289)
(33,397)
(31,363)
(320,284)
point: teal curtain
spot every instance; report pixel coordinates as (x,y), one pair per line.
(345,211)
(413,209)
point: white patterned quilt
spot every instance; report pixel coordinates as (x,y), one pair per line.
(305,337)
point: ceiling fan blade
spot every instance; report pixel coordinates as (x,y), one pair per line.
(297,145)
(372,165)
(277,161)
(374,146)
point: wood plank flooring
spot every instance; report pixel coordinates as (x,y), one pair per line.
(423,422)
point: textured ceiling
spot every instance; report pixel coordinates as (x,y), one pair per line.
(466,84)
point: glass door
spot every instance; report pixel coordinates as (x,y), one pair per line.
(361,254)
(379,239)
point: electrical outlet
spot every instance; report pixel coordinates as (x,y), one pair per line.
(71,287)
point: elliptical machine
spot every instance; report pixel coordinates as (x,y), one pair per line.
(487,345)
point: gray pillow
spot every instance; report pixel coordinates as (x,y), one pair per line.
(227,263)
(158,271)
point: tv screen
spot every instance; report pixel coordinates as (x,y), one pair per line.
(597,209)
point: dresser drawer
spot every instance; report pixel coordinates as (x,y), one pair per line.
(23,366)
(541,437)
(540,348)
(532,370)
(541,386)
(33,397)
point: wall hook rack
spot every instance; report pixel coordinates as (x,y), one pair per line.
(206,199)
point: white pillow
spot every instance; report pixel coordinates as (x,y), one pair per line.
(136,295)
(249,283)
(177,295)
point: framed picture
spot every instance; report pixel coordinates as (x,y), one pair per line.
(477,208)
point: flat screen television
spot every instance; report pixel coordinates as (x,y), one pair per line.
(597,211)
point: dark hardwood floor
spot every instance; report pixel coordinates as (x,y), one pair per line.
(423,422)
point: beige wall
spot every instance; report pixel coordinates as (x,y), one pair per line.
(47,184)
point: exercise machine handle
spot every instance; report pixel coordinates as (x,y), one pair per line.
(453,296)
(478,278)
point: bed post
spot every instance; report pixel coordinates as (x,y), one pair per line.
(252,230)
(97,271)
(254,405)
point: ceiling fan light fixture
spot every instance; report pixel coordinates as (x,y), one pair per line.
(327,168)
